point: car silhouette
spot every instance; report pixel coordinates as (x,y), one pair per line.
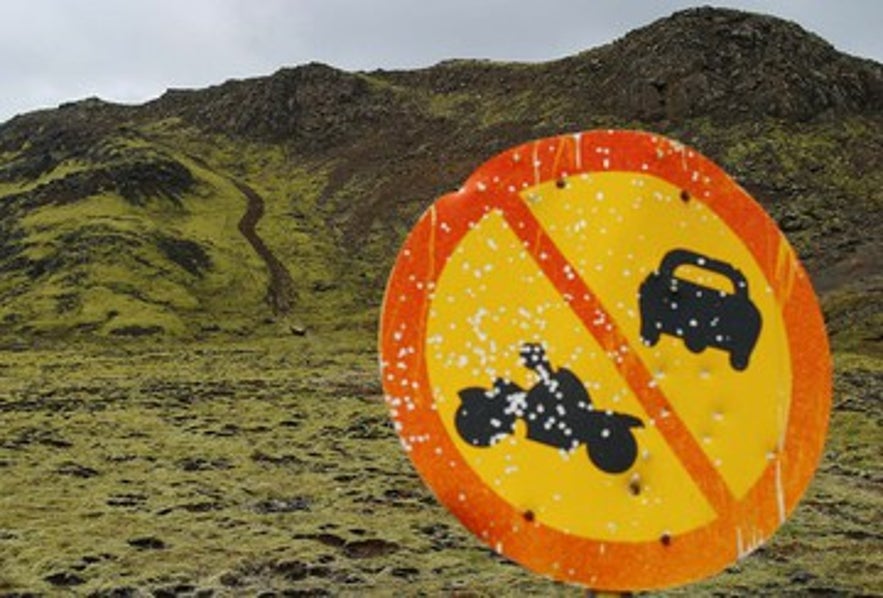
(702,316)
(558,412)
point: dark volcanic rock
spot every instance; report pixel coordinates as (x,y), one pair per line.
(191,256)
(721,63)
(369,548)
(134,181)
(119,592)
(202,464)
(729,64)
(315,104)
(48,137)
(137,330)
(282,505)
(291,570)
(65,579)
(147,543)
(77,470)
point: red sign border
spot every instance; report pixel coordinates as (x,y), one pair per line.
(603,565)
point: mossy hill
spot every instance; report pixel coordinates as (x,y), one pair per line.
(124,220)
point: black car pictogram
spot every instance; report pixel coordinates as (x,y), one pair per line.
(558,412)
(702,316)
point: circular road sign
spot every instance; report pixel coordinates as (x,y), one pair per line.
(606,360)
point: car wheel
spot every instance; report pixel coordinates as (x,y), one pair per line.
(738,361)
(694,344)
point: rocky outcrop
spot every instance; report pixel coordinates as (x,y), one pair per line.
(732,65)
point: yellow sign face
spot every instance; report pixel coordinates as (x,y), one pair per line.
(493,297)
(607,361)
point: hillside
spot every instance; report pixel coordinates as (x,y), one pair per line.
(123,220)
(156,259)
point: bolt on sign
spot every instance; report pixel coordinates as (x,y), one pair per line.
(606,360)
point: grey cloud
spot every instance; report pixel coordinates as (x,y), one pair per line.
(130,51)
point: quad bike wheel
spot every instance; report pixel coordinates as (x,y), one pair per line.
(613,448)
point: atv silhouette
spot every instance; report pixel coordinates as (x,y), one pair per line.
(558,412)
(701,316)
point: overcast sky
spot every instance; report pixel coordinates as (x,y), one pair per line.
(52,51)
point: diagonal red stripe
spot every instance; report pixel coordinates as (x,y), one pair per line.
(590,310)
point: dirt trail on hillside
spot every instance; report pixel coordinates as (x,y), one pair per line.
(280,288)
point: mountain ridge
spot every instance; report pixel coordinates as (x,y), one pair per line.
(346,162)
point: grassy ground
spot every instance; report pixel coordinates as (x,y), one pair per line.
(246,467)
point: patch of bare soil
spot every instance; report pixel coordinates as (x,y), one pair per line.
(280,289)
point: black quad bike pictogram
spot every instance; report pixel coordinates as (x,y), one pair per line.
(702,316)
(558,412)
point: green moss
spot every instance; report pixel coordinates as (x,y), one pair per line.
(811,157)
(238,457)
(9,188)
(855,320)
(296,225)
(51,220)
(848,361)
